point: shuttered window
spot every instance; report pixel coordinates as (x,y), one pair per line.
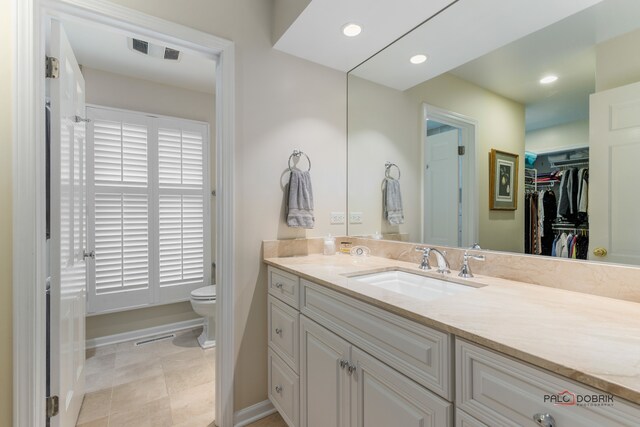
(148,211)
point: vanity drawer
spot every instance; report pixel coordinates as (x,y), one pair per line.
(284,331)
(284,286)
(284,389)
(421,353)
(465,420)
(500,391)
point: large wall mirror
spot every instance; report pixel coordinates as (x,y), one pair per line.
(511,124)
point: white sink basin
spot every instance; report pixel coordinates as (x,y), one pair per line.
(413,285)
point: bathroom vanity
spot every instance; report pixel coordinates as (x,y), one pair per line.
(347,352)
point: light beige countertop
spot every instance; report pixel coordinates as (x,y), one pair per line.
(591,339)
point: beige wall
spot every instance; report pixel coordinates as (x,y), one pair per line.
(6,371)
(282,103)
(384,125)
(554,138)
(132,320)
(500,126)
(618,61)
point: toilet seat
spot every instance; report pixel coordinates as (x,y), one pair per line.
(206,293)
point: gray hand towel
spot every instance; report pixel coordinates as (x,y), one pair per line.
(392,201)
(300,200)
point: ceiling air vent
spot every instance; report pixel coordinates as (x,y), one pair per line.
(171,54)
(141,46)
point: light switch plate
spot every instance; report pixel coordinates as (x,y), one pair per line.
(337,217)
(355,218)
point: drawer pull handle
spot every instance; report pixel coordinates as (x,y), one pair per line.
(279,285)
(278,389)
(278,331)
(544,420)
(343,363)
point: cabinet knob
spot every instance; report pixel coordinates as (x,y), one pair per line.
(343,363)
(544,420)
(351,368)
(279,285)
(278,389)
(279,331)
(600,252)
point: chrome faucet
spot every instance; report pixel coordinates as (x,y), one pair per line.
(465,271)
(443,264)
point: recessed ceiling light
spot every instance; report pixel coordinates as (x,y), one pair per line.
(418,59)
(548,79)
(351,30)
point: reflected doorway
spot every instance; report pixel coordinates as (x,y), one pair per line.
(449,184)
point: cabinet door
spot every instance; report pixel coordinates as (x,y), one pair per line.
(324,381)
(382,397)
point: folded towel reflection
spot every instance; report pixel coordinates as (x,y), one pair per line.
(392,201)
(300,200)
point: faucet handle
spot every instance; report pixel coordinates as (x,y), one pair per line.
(465,270)
(423,249)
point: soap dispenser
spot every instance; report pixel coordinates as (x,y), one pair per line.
(329,245)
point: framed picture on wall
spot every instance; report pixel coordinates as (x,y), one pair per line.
(503,181)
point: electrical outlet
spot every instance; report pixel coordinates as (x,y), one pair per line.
(355,218)
(337,217)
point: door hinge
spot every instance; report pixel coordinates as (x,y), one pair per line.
(52,406)
(461,150)
(52,67)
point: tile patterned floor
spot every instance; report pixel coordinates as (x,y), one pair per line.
(168,383)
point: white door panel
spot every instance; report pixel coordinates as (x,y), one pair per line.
(441,189)
(68,231)
(614,208)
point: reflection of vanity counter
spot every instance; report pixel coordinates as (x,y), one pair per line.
(590,339)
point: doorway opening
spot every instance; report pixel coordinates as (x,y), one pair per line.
(129,144)
(449,185)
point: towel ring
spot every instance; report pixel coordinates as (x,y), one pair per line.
(387,171)
(296,154)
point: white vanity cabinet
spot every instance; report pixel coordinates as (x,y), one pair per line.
(357,365)
(496,390)
(342,385)
(335,361)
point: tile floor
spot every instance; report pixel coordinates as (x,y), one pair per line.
(167,383)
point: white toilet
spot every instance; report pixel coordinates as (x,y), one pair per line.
(203,301)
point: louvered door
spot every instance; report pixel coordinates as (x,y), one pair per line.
(148,209)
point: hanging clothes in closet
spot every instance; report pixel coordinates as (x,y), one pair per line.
(540,213)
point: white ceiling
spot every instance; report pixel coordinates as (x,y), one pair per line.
(106,49)
(566,49)
(465,31)
(316,34)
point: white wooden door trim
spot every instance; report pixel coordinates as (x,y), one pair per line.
(469,128)
(29,253)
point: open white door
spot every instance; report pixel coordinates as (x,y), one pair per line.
(614,150)
(441,189)
(68,231)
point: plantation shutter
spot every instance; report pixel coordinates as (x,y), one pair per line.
(181,206)
(147,212)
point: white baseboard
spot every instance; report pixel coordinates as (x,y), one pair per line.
(253,413)
(143,333)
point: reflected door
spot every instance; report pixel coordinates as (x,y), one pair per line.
(614,206)
(68,231)
(442,185)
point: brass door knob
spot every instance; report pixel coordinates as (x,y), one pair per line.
(600,252)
